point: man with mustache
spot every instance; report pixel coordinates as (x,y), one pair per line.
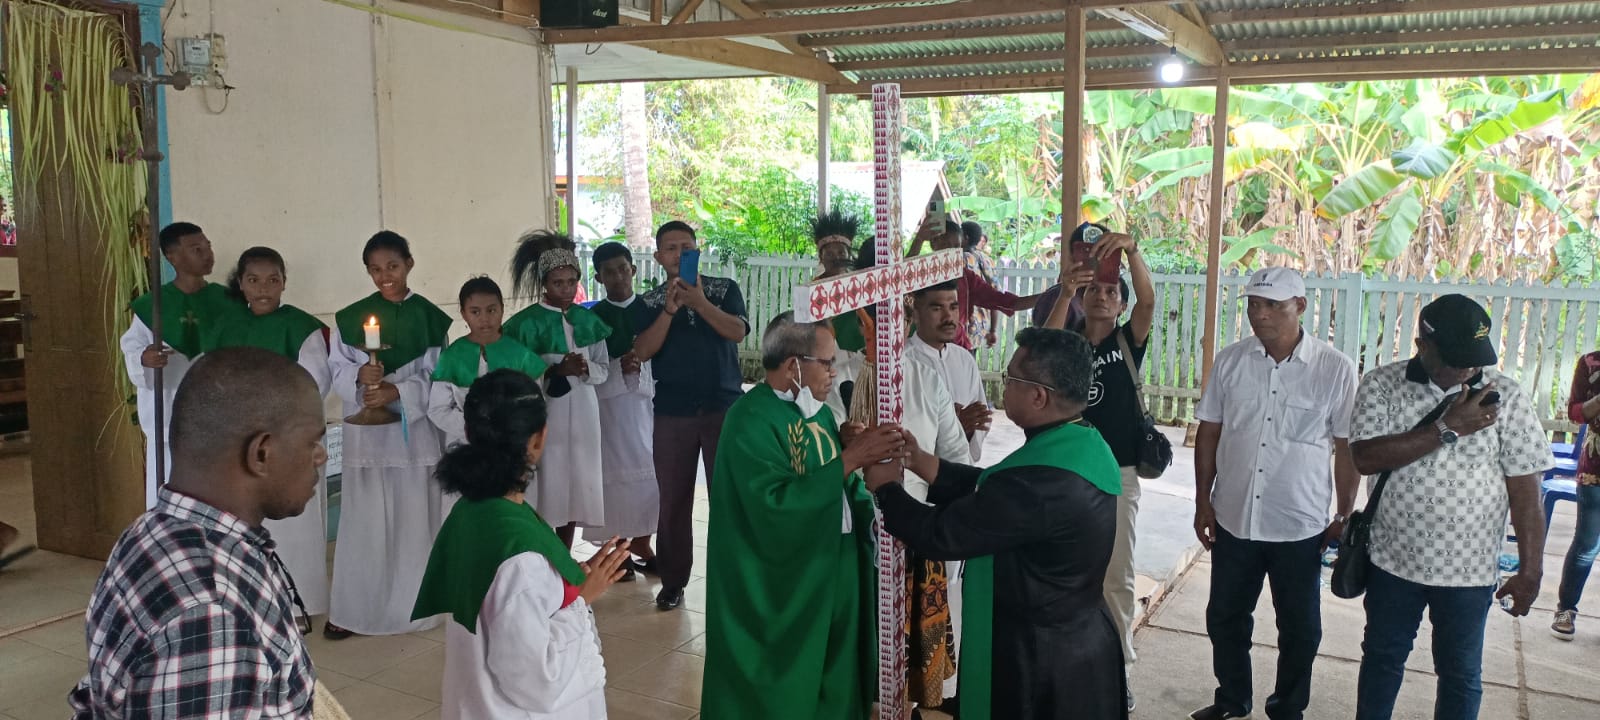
(936,310)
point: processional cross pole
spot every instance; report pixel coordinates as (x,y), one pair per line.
(146,82)
(885,285)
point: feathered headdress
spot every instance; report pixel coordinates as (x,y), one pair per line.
(527,272)
(837,225)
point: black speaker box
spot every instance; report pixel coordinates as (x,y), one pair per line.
(577,13)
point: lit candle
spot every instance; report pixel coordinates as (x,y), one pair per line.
(373,340)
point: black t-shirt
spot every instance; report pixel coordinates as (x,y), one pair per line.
(1113,408)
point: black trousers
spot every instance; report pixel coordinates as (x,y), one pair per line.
(1294,570)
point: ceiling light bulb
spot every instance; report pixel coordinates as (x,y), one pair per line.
(1172,68)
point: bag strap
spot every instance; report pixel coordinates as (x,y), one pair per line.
(1429,419)
(1127,359)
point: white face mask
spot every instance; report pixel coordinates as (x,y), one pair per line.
(801,396)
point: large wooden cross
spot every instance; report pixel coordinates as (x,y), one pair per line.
(885,285)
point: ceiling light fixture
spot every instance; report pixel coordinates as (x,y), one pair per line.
(1171,70)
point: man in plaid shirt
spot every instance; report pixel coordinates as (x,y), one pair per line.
(192,616)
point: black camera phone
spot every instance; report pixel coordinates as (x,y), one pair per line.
(1490,398)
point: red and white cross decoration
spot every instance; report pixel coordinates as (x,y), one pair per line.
(885,285)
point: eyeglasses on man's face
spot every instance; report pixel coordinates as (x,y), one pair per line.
(827,363)
(1006,378)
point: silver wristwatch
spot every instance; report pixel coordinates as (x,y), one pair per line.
(1446,435)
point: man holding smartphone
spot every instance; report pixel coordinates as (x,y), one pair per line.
(1441,519)
(691,326)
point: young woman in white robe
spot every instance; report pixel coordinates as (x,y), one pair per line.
(520,641)
(568,489)
(390,506)
(258,281)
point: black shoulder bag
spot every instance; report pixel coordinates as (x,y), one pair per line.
(1354,564)
(1155,450)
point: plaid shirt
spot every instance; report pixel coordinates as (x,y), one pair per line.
(192,619)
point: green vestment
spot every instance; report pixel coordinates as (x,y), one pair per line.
(790,599)
(283,331)
(620,341)
(538,328)
(185,318)
(458,364)
(1073,447)
(476,539)
(408,327)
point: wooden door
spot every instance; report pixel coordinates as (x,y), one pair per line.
(87,456)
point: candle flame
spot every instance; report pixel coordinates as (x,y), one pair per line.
(372,321)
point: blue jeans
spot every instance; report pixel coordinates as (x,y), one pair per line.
(1585,546)
(1394,612)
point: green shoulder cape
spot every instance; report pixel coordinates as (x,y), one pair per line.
(620,341)
(186,318)
(1074,447)
(475,540)
(408,327)
(847,331)
(282,331)
(458,364)
(538,328)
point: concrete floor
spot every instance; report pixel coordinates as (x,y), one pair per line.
(655,660)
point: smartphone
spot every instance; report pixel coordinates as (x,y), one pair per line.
(689,267)
(1490,398)
(936,212)
(1106,270)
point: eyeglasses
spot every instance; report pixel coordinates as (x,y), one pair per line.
(1006,377)
(828,363)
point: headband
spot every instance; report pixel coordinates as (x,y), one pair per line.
(556,258)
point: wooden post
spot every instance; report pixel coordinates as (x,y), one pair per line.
(1072,129)
(824,141)
(1219,154)
(572,152)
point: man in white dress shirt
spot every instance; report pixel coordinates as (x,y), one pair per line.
(936,310)
(1277,406)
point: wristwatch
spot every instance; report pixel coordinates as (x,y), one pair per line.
(1339,518)
(1446,435)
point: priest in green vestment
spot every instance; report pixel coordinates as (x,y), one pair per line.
(1036,532)
(189,305)
(790,598)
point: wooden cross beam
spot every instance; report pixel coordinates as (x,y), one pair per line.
(885,285)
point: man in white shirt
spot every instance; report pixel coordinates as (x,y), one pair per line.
(936,310)
(1441,517)
(1277,406)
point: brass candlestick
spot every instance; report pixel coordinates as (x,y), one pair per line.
(373,415)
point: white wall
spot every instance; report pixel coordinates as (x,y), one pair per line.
(345,122)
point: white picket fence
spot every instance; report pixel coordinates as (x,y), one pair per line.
(1542,330)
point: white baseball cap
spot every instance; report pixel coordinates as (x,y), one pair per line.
(1276,284)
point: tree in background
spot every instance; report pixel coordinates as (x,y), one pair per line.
(1469,177)
(638,220)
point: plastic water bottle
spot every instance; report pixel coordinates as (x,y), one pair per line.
(1509,562)
(1331,554)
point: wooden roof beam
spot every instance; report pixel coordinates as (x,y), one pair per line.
(768,6)
(1169,27)
(1370,9)
(888,17)
(924,34)
(743,10)
(684,13)
(750,57)
(1053,55)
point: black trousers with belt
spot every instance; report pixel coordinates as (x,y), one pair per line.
(1294,572)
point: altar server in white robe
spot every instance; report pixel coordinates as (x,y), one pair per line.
(390,505)
(189,305)
(520,639)
(483,349)
(937,314)
(568,489)
(257,283)
(627,416)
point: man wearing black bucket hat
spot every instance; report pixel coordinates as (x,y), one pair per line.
(1441,520)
